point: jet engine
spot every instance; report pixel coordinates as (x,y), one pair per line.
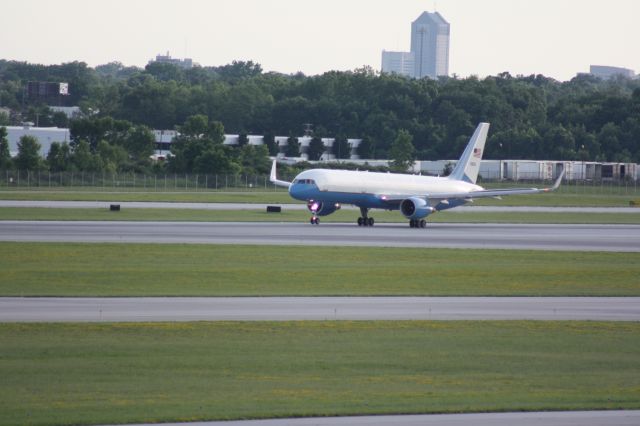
(322,209)
(415,208)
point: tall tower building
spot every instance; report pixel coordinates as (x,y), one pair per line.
(429,55)
(430,45)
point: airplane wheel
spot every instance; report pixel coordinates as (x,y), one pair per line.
(423,223)
(371,221)
(360,221)
(315,221)
(412,223)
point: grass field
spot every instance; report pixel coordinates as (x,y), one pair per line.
(580,196)
(74,269)
(381,216)
(54,374)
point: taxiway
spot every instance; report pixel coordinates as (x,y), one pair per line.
(571,418)
(132,309)
(446,235)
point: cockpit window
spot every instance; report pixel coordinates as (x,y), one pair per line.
(305,181)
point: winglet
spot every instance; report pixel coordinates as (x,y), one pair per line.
(556,184)
(274,180)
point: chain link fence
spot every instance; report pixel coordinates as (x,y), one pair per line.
(134,182)
(241,183)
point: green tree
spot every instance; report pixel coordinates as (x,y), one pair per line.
(402,151)
(83,160)
(239,70)
(114,157)
(215,160)
(165,71)
(139,142)
(59,119)
(96,129)
(195,126)
(293,147)
(28,157)
(59,157)
(341,148)
(609,140)
(215,132)
(272,146)
(365,148)
(255,159)
(4,119)
(560,144)
(316,148)
(199,148)
(5,154)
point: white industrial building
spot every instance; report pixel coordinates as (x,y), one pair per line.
(522,170)
(69,111)
(186,63)
(606,72)
(45,136)
(164,139)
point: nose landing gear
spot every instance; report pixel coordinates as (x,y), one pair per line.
(314,220)
(417,223)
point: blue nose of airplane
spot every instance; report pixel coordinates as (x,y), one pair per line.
(303,190)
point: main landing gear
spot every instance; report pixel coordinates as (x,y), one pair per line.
(417,223)
(364,220)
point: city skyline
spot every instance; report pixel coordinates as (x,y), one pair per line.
(429,54)
(556,38)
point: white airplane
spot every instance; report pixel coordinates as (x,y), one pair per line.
(415,196)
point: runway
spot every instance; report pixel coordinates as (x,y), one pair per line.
(293,206)
(141,309)
(570,418)
(444,235)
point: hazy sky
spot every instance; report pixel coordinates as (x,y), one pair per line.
(557,38)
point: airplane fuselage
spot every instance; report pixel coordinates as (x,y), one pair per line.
(370,189)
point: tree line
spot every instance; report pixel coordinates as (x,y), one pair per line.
(532,117)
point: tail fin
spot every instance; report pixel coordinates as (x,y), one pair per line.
(274,179)
(468,166)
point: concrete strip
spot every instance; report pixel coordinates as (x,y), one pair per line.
(562,418)
(294,206)
(499,236)
(140,309)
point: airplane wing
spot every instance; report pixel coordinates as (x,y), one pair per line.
(274,180)
(486,193)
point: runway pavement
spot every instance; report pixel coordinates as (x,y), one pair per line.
(291,206)
(132,309)
(571,418)
(503,236)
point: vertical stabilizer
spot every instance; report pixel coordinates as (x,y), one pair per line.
(468,166)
